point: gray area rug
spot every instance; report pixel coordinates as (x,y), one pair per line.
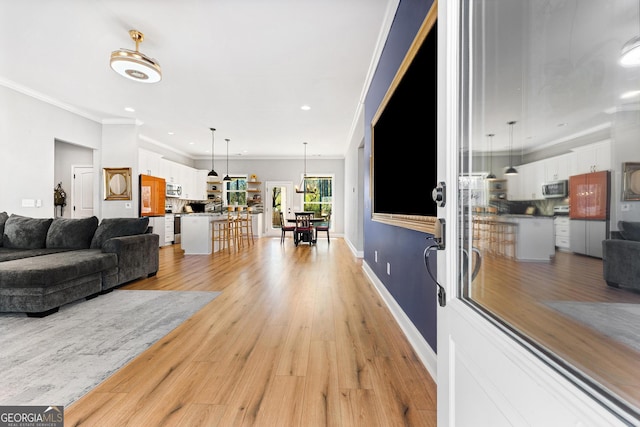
(57,359)
(619,321)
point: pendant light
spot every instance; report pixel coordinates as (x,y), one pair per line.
(302,188)
(212,172)
(227,177)
(134,64)
(630,53)
(491,174)
(511,170)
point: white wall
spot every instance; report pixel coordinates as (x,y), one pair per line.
(288,170)
(28,131)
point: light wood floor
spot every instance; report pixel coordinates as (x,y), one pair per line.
(298,337)
(516,292)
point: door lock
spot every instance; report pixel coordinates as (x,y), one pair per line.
(439,194)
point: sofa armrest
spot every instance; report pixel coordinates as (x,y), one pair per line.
(138,255)
(620,262)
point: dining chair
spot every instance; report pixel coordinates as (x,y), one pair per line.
(324,226)
(284,227)
(304,229)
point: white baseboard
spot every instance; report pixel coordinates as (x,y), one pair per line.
(424,351)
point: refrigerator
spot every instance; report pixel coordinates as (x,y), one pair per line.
(589,197)
(152,203)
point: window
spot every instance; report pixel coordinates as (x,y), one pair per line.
(319,195)
(540,94)
(236,191)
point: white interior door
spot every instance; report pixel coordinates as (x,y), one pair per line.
(279,198)
(81,192)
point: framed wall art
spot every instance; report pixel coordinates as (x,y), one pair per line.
(631,181)
(117,183)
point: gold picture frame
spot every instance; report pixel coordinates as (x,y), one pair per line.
(117,183)
(631,181)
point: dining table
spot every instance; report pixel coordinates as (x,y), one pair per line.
(313,221)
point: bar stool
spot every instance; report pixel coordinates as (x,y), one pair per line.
(245,227)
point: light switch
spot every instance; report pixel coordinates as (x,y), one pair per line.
(28,203)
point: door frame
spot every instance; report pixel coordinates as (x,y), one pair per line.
(268,206)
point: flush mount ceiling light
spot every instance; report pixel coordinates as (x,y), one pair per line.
(511,170)
(135,65)
(630,53)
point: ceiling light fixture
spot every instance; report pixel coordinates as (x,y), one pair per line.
(630,53)
(212,172)
(227,178)
(302,188)
(491,174)
(135,65)
(511,170)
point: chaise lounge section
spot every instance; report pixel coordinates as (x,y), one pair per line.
(46,263)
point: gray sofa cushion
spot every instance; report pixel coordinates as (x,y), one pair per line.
(629,230)
(71,233)
(118,227)
(21,232)
(7,254)
(3,219)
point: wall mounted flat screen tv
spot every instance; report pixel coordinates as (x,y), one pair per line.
(404,135)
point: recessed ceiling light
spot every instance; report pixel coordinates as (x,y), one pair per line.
(129,109)
(171,133)
(630,94)
(191,143)
(305,108)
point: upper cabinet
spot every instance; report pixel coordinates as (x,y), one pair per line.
(593,157)
(149,162)
(560,167)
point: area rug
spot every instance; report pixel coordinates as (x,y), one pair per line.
(57,359)
(619,321)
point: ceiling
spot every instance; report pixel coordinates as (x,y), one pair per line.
(244,67)
(552,67)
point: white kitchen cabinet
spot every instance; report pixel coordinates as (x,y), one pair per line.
(593,157)
(514,190)
(560,167)
(169,228)
(200,189)
(561,225)
(148,162)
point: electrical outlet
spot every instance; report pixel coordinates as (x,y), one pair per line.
(127,205)
(389,268)
(375,256)
(625,207)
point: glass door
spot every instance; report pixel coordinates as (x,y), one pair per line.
(279,198)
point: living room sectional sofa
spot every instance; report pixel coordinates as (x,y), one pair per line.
(621,255)
(46,263)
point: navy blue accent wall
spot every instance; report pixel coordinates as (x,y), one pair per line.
(408,282)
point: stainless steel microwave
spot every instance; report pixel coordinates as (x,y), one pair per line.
(555,189)
(173,190)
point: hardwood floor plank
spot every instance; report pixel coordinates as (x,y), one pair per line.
(292,339)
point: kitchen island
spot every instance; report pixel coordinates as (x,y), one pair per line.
(525,237)
(197,232)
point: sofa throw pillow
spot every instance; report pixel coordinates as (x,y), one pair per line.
(118,227)
(71,233)
(3,219)
(630,230)
(21,232)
